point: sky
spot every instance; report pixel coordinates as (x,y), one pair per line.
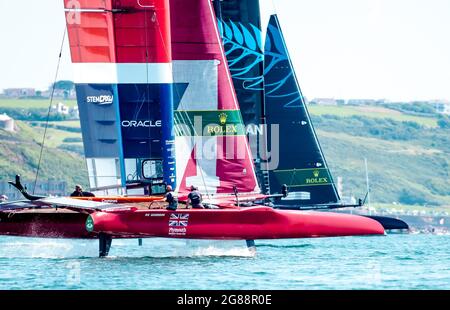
(379,49)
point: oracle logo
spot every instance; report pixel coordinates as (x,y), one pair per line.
(144,124)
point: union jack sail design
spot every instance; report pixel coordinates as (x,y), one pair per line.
(211,147)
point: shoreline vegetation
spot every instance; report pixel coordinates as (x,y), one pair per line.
(407,148)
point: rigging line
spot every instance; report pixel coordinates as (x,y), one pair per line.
(179,96)
(49,109)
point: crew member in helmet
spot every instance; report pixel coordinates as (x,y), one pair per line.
(80,193)
(3,198)
(171,198)
(195,198)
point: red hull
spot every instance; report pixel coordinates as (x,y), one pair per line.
(46,225)
(248,223)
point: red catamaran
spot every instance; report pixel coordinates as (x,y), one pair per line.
(155,93)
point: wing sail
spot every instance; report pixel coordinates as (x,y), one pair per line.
(82,206)
(121,57)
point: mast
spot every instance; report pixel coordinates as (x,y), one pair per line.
(162,10)
(367,183)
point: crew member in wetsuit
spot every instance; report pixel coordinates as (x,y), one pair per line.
(195,198)
(171,198)
(79,192)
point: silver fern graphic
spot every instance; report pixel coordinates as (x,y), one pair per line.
(244,51)
(285,86)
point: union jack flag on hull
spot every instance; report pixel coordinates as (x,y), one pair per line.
(178,220)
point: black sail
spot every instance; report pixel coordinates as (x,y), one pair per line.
(268,93)
(301,163)
(239,23)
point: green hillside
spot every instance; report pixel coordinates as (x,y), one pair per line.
(408,161)
(20,154)
(33,103)
(372,112)
(407,149)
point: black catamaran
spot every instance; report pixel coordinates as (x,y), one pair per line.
(271,101)
(268,87)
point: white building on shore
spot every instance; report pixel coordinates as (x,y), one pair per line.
(443,107)
(6,122)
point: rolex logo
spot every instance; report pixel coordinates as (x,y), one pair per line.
(223,118)
(316,180)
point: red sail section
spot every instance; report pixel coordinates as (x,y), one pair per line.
(215,157)
(140,35)
(195,37)
(118,31)
(91,36)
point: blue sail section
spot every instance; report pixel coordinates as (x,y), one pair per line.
(123,127)
(100,121)
(102,137)
(302,165)
(140,115)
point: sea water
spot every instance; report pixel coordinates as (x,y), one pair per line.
(395,261)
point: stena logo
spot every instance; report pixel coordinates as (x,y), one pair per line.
(145,124)
(103,99)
